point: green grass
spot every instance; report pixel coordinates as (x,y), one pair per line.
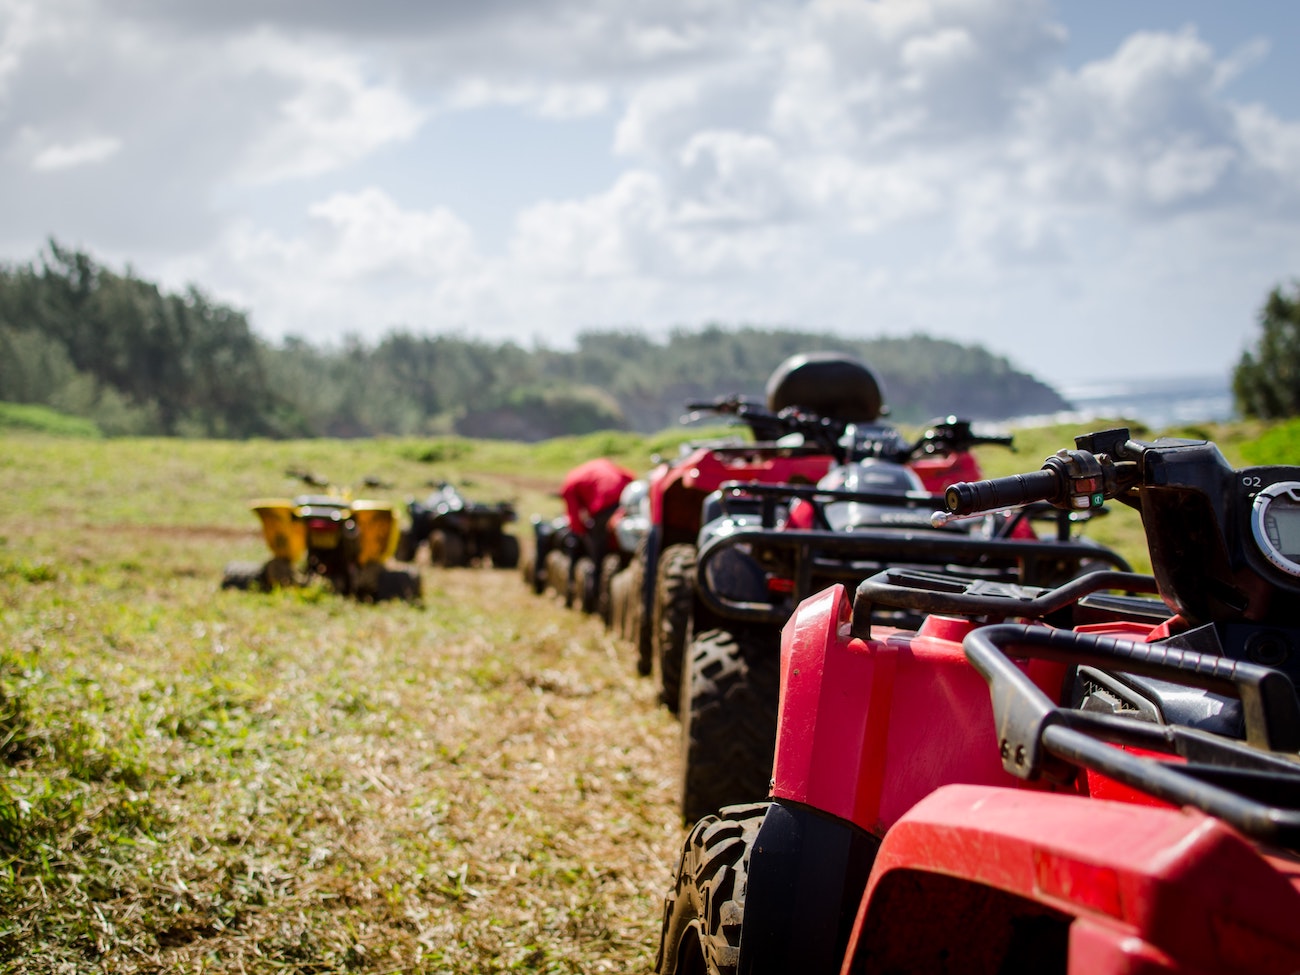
(26,418)
(1280,444)
(194,780)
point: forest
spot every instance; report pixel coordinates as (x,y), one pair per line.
(134,359)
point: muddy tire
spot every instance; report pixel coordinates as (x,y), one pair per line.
(729,715)
(674,600)
(632,624)
(625,614)
(244,576)
(505,554)
(616,586)
(609,568)
(704,912)
(404,584)
(446,549)
(556,574)
(584,585)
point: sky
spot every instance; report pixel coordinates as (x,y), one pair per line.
(1093,188)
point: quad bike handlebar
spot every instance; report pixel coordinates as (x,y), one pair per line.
(1104,466)
(762,422)
(1224,542)
(845,440)
(953,433)
(973,497)
(307,477)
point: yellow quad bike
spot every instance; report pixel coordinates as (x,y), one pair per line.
(346,542)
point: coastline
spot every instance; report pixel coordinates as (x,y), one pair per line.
(1160,402)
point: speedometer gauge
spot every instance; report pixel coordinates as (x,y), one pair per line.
(1275,521)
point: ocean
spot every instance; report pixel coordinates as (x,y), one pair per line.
(1159,403)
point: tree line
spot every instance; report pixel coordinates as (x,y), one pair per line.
(92,342)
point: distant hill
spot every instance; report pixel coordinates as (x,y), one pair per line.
(110,347)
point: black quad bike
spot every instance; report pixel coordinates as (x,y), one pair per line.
(459,532)
(562,562)
(327,536)
(550,564)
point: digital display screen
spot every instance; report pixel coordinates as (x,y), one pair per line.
(1282,523)
(1276,524)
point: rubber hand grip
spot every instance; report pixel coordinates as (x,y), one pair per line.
(968,497)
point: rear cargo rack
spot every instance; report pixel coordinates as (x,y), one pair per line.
(952,594)
(820,557)
(1253,785)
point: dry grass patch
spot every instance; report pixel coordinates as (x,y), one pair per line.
(203,781)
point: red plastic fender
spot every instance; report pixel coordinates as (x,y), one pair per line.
(1147,889)
(867,729)
(707,469)
(938,471)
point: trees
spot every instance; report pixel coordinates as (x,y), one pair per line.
(1266,382)
(116,349)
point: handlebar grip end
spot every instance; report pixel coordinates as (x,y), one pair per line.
(968,497)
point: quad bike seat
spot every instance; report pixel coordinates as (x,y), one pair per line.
(829,384)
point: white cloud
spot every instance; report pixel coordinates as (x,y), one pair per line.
(17,25)
(368,233)
(362,265)
(70,155)
(1143,127)
(880,165)
(333,114)
(612,234)
(548,101)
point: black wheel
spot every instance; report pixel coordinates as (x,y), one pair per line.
(505,554)
(244,575)
(446,548)
(609,568)
(625,613)
(638,621)
(584,585)
(729,712)
(402,584)
(704,912)
(557,575)
(674,599)
(407,546)
(616,586)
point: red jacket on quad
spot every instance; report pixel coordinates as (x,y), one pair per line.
(593,488)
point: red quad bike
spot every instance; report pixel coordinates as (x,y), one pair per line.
(563,562)
(1114,791)
(559,562)
(657,589)
(766,548)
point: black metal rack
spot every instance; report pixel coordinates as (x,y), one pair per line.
(1254,785)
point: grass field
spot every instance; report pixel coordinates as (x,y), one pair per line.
(202,781)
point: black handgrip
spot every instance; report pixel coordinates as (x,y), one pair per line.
(969,497)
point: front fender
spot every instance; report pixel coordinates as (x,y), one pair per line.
(868,728)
